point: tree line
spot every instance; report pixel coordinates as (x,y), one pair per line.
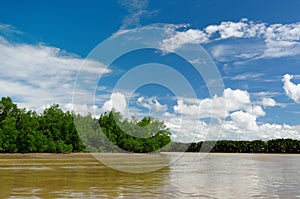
(231,146)
(56,131)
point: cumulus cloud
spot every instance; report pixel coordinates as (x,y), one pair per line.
(256,111)
(240,112)
(217,107)
(244,121)
(236,99)
(292,90)
(117,101)
(186,109)
(240,126)
(232,104)
(268,101)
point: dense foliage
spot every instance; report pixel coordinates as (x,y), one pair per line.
(110,133)
(55,131)
(26,131)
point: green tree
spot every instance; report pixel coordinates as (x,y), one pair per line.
(9,135)
(146,135)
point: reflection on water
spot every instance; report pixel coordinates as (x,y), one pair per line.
(215,176)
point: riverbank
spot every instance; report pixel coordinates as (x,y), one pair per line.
(75,155)
(117,155)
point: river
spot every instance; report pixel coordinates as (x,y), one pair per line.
(191,176)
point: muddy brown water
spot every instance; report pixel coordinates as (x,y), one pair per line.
(191,176)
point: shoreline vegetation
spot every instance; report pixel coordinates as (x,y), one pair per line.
(54,131)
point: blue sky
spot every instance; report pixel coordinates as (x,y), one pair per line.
(254,45)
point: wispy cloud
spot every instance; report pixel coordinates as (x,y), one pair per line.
(136,10)
(266,94)
(11,33)
(6,29)
(237,52)
(247,76)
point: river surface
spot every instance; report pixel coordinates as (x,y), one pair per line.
(191,176)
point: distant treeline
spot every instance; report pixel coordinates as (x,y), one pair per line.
(54,131)
(229,146)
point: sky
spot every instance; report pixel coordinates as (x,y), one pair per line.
(210,69)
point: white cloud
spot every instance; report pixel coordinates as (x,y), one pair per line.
(236,99)
(283,32)
(241,126)
(186,109)
(256,111)
(244,121)
(267,101)
(275,131)
(37,75)
(292,90)
(216,107)
(118,102)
